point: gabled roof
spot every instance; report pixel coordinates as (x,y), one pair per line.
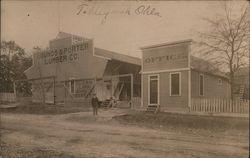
(117,56)
(205,66)
(243,71)
(104,53)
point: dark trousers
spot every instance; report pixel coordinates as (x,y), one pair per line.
(95,110)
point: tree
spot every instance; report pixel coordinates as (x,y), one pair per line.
(13,62)
(227,44)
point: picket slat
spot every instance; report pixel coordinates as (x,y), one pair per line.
(8,97)
(219,105)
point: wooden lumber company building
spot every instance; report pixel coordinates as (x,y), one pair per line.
(167,77)
(72,69)
(172,77)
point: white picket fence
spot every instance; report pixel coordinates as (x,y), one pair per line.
(218,105)
(7,97)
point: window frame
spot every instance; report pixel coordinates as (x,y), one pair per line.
(170,84)
(220,81)
(158,88)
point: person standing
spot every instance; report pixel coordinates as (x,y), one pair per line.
(95,104)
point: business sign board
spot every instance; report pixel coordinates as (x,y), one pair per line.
(68,61)
(65,54)
(166,57)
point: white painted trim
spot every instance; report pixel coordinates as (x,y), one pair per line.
(189,76)
(99,56)
(72,79)
(122,75)
(142,94)
(158,89)
(200,84)
(189,88)
(169,70)
(170,84)
(189,55)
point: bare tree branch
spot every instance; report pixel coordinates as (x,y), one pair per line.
(227,44)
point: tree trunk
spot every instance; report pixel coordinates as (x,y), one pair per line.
(232,84)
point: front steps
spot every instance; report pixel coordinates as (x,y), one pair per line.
(153,108)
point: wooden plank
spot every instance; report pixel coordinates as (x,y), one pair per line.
(213,104)
(205,104)
(239,107)
(230,105)
(227,105)
(216,105)
(247,104)
(192,104)
(223,105)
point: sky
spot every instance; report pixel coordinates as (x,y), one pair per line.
(121,26)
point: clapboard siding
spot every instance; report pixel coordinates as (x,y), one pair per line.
(212,88)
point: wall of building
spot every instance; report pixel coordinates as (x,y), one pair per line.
(212,87)
(67,62)
(60,92)
(74,60)
(162,59)
(167,101)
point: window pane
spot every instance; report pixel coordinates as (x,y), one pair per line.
(201,85)
(175,84)
(153,92)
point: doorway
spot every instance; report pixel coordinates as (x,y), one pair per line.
(153,90)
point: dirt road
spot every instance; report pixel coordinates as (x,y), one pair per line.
(85,136)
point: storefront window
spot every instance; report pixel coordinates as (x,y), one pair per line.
(175,84)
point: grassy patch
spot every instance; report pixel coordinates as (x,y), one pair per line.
(13,151)
(185,122)
(39,108)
